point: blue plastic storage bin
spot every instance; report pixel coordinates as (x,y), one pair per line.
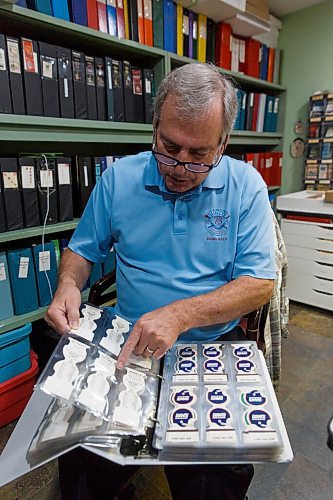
(14,352)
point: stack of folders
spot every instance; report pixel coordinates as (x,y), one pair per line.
(257,112)
(59,82)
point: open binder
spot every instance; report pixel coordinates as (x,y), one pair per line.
(205,403)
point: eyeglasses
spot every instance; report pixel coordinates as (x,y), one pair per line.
(198,168)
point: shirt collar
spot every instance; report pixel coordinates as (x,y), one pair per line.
(215,179)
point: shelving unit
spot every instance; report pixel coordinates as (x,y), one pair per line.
(32,232)
(31,134)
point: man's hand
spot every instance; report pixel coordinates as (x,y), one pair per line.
(153,334)
(63,313)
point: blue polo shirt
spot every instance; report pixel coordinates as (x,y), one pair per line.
(174,246)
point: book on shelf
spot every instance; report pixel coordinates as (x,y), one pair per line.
(5,96)
(11,184)
(102,18)
(30,204)
(111,12)
(23,280)
(65,80)
(6,302)
(64,189)
(31,77)
(91,87)
(15,75)
(49,78)
(79,85)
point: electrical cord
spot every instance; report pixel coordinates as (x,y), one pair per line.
(44,225)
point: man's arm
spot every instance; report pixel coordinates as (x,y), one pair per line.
(159,329)
(63,312)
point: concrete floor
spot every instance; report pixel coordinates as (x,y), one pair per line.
(306,401)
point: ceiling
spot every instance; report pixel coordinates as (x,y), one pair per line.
(281,7)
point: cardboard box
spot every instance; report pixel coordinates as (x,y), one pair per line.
(258,8)
(329,196)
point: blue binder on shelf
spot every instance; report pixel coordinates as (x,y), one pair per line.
(23,280)
(169,21)
(79,12)
(60,9)
(46,272)
(43,6)
(111,13)
(6,302)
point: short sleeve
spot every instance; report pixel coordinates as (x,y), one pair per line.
(255,240)
(92,238)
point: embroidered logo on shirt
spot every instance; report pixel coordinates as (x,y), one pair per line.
(217,221)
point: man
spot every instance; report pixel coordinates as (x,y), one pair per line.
(193,235)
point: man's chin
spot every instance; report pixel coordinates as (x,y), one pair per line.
(178,186)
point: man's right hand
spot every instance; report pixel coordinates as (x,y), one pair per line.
(63,312)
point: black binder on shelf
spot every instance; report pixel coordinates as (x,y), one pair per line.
(128,92)
(109,89)
(211,33)
(118,91)
(82,183)
(47,189)
(186,32)
(29,192)
(49,75)
(249,110)
(138,95)
(133,19)
(65,75)
(5,97)
(31,76)
(148,93)
(89,63)
(100,88)
(11,193)
(3,226)
(79,83)
(64,188)
(15,75)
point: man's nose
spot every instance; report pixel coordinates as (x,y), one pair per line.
(179,169)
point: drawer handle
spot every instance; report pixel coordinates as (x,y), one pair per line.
(330,280)
(322,293)
(322,264)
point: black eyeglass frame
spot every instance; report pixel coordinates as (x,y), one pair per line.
(186,164)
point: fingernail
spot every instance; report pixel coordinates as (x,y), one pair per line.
(120,366)
(74,325)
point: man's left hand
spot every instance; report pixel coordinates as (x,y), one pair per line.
(152,335)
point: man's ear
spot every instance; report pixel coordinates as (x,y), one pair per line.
(224,144)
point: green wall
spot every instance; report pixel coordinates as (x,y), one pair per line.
(306,39)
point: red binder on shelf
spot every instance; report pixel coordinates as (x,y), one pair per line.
(252,57)
(141,29)
(102,17)
(223,46)
(120,19)
(148,22)
(92,14)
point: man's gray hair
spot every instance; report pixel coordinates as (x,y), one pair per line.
(195,86)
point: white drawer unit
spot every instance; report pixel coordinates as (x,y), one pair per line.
(310,262)
(313,268)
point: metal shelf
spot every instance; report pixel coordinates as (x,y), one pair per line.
(246,138)
(17,321)
(18,128)
(21,234)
